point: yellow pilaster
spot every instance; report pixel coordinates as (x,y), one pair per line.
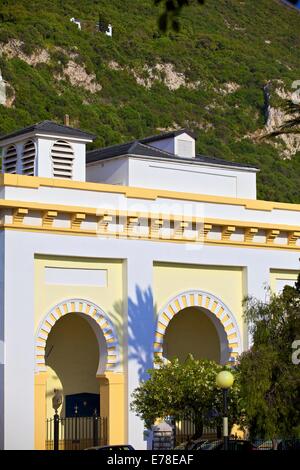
(40,410)
(112,405)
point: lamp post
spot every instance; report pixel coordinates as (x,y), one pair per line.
(225,380)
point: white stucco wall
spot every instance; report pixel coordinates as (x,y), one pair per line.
(108,171)
(105,200)
(140,255)
(186,177)
(194,178)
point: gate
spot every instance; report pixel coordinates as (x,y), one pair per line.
(75,433)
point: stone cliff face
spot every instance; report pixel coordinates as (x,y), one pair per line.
(2,91)
(275,116)
(166,74)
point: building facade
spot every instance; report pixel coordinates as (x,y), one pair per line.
(113,256)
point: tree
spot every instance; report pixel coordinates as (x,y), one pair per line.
(172,11)
(173,8)
(185,390)
(269,381)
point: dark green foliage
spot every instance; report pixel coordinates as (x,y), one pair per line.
(218,42)
(185,389)
(269,379)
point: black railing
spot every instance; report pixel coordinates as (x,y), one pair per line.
(75,433)
(163,440)
(185,429)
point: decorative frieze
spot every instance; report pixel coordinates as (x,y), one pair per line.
(48,217)
(19,214)
(147,226)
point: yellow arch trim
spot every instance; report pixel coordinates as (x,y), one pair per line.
(205,300)
(92,311)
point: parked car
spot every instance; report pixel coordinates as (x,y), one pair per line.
(114,448)
(191,444)
(233,445)
(289,444)
(262,445)
(198,444)
(282,444)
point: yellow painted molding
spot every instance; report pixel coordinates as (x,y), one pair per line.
(142,193)
(19,214)
(249,234)
(112,404)
(293,237)
(108,214)
(79,306)
(227,230)
(76,220)
(206,301)
(40,380)
(48,218)
(271,235)
(129,220)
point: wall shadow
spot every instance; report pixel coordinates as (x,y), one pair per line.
(141,330)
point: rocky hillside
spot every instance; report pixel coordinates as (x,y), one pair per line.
(225,75)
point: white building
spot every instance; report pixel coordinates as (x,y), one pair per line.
(108,32)
(77,22)
(113,256)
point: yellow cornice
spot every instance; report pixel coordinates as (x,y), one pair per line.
(23,206)
(141,193)
(17,215)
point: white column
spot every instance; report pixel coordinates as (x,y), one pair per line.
(140,328)
(19,343)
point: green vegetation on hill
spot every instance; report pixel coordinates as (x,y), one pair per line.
(224,42)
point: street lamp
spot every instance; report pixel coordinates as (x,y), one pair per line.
(225,380)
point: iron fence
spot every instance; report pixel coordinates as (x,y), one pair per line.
(186,429)
(75,433)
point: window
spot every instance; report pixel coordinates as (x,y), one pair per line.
(62,159)
(28,158)
(10,160)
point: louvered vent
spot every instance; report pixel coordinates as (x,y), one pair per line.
(184,148)
(62,159)
(10,160)
(28,158)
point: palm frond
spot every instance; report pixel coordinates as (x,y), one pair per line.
(291,125)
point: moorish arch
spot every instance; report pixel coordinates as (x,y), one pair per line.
(109,354)
(221,316)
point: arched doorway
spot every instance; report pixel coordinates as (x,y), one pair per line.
(72,357)
(77,349)
(198,322)
(191,331)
